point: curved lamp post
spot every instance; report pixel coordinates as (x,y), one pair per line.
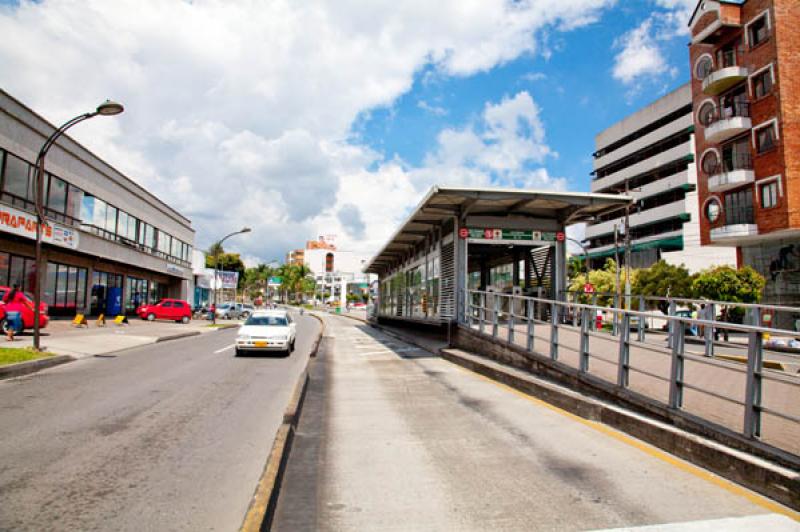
(216,264)
(107,108)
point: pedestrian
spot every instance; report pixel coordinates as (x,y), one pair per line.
(693,328)
(15,303)
(723,317)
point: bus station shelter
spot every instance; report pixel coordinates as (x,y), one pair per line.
(499,240)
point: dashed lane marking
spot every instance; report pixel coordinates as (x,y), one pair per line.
(224,349)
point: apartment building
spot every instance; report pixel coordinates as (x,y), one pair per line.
(650,155)
(745,61)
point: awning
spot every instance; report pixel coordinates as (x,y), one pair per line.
(443,203)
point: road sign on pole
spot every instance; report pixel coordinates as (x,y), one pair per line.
(588,288)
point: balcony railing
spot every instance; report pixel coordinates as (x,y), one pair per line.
(740,161)
(740,216)
(728,59)
(737,109)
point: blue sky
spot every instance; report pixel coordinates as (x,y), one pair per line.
(336,116)
(574,87)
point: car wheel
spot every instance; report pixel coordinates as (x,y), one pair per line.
(151,317)
(185,320)
(237,352)
(244,315)
(291,347)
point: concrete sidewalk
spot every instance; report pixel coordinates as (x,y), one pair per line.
(63,338)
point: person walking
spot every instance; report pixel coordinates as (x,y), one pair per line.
(15,303)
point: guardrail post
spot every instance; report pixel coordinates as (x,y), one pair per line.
(584,347)
(615,321)
(711,314)
(594,304)
(671,325)
(676,371)
(530,312)
(481,311)
(554,331)
(624,351)
(496,317)
(642,323)
(511,319)
(752,401)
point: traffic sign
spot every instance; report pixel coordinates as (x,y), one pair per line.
(463,232)
(560,236)
(588,288)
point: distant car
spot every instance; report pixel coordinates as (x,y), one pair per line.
(27,313)
(267,330)
(234,311)
(166,309)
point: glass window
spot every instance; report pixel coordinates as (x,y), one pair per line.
(758,31)
(75,203)
(17,271)
(765,138)
(769,195)
(164,242)
(50,284)
(762,84)
(167,304)
(87,209)
(16,177)
(111,219)
(703,67)
(150,236)
(61,286)
(710,163)
(57,195)
(99,219)
(706,114)
(81,289)
(739,207)
(132,227)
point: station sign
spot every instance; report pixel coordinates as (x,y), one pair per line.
(508,235)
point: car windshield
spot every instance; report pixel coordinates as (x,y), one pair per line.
(279,321)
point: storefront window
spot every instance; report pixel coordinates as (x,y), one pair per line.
(106,295)
(50,284)
(4,263)
(22,272)
(136,292)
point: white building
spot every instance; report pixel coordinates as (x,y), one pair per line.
(651,154)
(336,273)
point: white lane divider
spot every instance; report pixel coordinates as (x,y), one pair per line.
(224,349)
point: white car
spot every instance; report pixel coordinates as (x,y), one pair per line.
(267,330)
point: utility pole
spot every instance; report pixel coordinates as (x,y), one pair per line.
(616,258)
(627,250)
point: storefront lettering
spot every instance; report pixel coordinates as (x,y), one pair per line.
(15,222)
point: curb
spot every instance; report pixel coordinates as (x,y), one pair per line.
(261,511)
(177,336)
(776,482)
(32,366)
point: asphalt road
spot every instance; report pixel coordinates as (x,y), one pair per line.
(169,437)
(394,438)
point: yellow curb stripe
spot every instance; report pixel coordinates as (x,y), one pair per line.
(727,485)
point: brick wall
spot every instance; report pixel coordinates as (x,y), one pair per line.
(787,40)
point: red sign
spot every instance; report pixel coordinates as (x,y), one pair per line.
(560,237)
(588,288)
(463,232)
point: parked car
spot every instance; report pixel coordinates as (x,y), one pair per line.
(267,330)
(166,309)
(27,313)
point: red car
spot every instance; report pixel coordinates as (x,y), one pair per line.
(166,309)
(27,313)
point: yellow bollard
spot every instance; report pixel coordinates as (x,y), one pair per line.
(101,320)
(121,320)
(80,321)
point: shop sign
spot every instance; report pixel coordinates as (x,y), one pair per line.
(171,268)
(274,282)
(228,279)
(203,281)
(24,224)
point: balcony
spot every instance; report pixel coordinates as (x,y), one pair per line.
(736,225)
(731,173)
(723,79)
(725,123)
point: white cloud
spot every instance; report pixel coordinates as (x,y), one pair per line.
(432,109)
(238,113)
(640,55)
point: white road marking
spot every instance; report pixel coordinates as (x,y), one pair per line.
(224,349)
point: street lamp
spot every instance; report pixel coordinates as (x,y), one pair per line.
(216,264)
(107,108)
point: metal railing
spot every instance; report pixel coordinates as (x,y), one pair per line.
(571,334)
(724,112)
(740,161)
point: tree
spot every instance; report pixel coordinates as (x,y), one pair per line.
(604,282)
(725,283)
(663,279)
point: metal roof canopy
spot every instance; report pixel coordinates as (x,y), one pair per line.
(443,203)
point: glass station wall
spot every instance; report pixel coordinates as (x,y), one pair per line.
(414,290)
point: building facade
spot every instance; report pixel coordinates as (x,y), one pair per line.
(109,245)
(745,61)
(650,156)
